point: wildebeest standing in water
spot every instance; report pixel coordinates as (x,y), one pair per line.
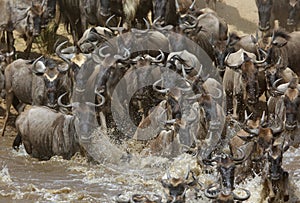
(46,133)
(36,83)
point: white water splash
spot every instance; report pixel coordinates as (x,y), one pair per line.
(5,176)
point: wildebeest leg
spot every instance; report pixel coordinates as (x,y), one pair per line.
(17,142)
(29,42)
(285,186)
(214,5)
(235,107)
(271,193)
(207,3)
(3,37)
(9,99)
(103,122)
(10,45)
(18,106)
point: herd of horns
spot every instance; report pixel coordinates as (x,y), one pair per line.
(172,69)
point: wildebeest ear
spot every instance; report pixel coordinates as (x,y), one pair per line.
(107,33)
(234,38)
(279,42)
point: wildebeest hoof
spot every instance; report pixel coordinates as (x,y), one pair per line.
(286,198)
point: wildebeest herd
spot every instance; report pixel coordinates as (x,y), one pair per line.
(189,85)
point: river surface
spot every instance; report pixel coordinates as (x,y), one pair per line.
(25,179)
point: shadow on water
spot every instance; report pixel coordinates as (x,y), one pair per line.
(232,16)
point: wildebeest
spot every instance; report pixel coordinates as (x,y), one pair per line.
(270,10)
(37,83)
(284,46)
(176,187)
(275,178)
(167,12)
(286,103)
(90,13)
(255,138)
(45,132)
(225,191)
(273,73)
(214,2)
(23,16)
(233,44)
(241,82)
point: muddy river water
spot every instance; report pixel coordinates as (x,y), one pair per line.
(25,179)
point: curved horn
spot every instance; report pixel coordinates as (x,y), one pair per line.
(241,158)
(102,100)
(158,59)
(39,66)
(158,90)
(187,173)
(172,121)
(185,26)
(192,5)
(63,69)
(134,30)
(275,89)
(101,52)
(278,129)
(191,120)
(236,197)
(208,194)
(123,58)
(247,117)
(165,28)
(61,104)
(246,128)
(253,132)
(60,55)
(119,29)
(262,120)
(186,89)
(279,61)
(195,97)
(219,95)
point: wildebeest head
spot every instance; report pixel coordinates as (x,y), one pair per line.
(291,99)
(275,162)
(34,18)
(176,187)
(53,76)
(250,81)
(294,7)
(264,13)
(263,136)
(85,116)
(246,64)
(160,9)
(226,168)
(272,73)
